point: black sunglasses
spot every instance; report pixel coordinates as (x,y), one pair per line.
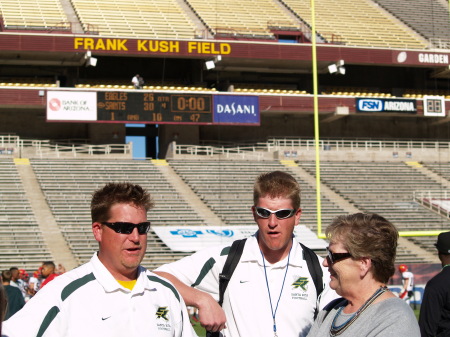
(128,227)
(280,213)
(335,257)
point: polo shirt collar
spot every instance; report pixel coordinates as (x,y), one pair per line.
(110,284)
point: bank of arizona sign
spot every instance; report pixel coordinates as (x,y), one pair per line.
(234,109)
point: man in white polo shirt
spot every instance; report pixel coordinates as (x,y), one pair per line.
(271,291)
(112,295)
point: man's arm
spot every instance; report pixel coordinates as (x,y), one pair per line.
(406,284)
(211,315)
(430,311)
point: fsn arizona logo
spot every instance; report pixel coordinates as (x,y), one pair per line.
(162,313)
(301,282)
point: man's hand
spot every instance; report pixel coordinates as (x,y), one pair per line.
(210,313)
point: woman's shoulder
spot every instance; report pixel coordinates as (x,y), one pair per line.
(394,308)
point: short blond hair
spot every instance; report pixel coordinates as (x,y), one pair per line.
(277,184)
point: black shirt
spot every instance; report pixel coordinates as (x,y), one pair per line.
(435,309)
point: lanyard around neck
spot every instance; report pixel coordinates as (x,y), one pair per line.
(274,313)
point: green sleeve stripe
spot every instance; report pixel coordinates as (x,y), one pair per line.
(225,251)
(74,285)
(51,314)
(67,291)
(166,284)
(205,270)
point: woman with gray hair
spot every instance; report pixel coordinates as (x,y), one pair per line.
(361,257)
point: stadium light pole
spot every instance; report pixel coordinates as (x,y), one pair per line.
(316,120)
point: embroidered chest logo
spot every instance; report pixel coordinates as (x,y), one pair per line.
(301,282)
(162,313)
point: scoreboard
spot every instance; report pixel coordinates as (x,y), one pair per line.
(151,107)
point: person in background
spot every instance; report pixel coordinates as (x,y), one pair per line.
(48,272)
(408,283)
(434,319)
(3,303)
(14,297)
(361,257)
(16,281)
(272,290)
(34,283)
(60,269)
(112,294)
(137,81)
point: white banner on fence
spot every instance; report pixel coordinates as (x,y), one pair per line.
(194,238)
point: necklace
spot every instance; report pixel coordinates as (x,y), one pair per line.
(337,330)
(274,313)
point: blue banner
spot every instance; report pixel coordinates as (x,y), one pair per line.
(386,105)
(234,109)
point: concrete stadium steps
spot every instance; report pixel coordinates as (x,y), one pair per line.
(441,168)
(68,186)
(223,186)
(227,188)
(145,19)
(384,188)
(250,18)
(358,23)
(435,27)
(21,242)
(32,14)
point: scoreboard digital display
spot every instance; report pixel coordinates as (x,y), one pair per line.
(154,108)
(144,107)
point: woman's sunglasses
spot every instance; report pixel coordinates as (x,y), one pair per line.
(335,257)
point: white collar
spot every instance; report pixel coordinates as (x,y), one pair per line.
(252,252)
(110,284)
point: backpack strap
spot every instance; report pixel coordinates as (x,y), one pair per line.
(234,255)
(312,261)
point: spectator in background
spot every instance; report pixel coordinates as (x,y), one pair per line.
(112,294)
(48,272)
(14,276)
(14,297)
(434,317)
(34,283)
(408,283)
(3,303)
(16,281)
(137,81)
(60,269)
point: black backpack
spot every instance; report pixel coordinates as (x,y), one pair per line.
(234,255)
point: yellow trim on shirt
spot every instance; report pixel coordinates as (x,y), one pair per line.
(127,284)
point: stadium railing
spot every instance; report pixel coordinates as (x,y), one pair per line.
(32,148)
(259,151)
(433,199)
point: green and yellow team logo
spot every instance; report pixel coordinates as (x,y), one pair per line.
(301,282)
(162,313)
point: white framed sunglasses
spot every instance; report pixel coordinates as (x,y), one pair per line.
(279,213)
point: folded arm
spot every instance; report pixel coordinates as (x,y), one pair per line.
(211,315)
